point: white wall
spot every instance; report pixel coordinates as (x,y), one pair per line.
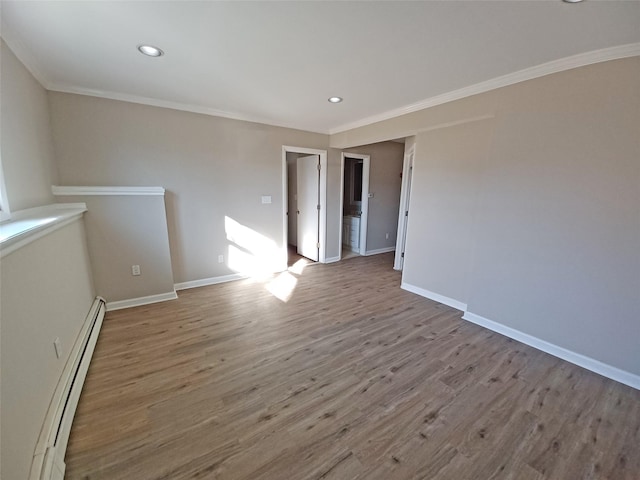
(26,144)
(212,167)
(532,217)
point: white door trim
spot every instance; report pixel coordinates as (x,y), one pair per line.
(323,200)
(398,263)
(364,216)
(364,208)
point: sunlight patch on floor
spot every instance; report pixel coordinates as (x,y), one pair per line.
(298,267)
(282,286)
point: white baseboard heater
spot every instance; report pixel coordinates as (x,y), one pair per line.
(48,460)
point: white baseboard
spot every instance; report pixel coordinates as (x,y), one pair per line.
(332,260)
(380,250)
(436,297)
(583,361)
(48,459)
(209,281)
(136,302)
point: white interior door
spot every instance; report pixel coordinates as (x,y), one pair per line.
(308,180)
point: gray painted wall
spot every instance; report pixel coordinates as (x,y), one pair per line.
(26,144)
(123,231)
(47,292)
(46,286)
(532,217)
(334,209)
(213,168)
(442,210)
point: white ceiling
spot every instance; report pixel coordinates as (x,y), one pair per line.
(278,62)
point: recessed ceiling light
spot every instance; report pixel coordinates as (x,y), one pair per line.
(572,1)
(150,50)
(335,99)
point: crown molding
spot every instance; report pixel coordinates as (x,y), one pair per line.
(30,64)
(555,66)
(22,53)
(185,107)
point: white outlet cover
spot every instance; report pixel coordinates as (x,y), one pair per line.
(266,199)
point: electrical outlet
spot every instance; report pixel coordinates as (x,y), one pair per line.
(220,258)
(135,270)
(57,347)
(386,236)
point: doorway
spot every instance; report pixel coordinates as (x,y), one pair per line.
(304,203)
(354,204)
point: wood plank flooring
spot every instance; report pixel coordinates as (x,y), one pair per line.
(351,378)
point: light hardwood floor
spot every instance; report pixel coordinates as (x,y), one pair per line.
(352,378)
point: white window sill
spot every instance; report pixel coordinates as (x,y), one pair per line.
(25,226)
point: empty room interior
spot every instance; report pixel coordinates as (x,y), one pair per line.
(320,240)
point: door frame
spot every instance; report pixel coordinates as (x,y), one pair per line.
(322,227)
(364,216)
(405,198)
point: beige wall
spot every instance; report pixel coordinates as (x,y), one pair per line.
(384,183)
(440,231)
(212,167)
(46,293)
(46,286)
(123,231)
(334,209)
(26,145)
(558,217)
(532,217)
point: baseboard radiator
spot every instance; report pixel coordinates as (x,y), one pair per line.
(48,460)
